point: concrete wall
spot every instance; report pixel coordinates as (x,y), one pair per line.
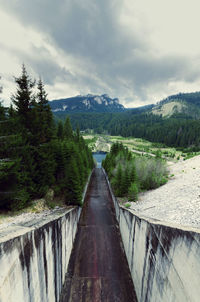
(164,259)
(34,257)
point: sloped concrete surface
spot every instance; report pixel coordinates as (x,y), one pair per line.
(164,259)
(34,256)
(98,270)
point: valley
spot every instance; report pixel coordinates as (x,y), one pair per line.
(101,142)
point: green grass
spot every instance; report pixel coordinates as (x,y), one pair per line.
(141,145)
(127,205)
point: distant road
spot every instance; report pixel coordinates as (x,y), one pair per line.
(98,269)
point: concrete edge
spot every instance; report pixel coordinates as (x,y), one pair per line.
(16,230)
(151,220)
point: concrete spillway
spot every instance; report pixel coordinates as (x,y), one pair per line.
(98,270)
(34,257)
(164,259)
(40,263)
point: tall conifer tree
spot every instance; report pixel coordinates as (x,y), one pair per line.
(24,97)
(45,114)
(60,130)
(68,132)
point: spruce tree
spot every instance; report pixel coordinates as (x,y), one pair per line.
(126,180)
(133,192)
(133,174)
(24,98)
(68,132)
(2,113)
(118,182)
(45,114)
(60,130)
(74,192)
(77,137)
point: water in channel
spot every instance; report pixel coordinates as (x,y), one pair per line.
(99,156)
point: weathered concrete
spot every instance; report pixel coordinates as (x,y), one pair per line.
(34,254)
(34,257)
(98,269)
(164,259)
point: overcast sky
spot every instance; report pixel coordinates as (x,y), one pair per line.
(137,50)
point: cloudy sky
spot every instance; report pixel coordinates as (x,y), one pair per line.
(137,50)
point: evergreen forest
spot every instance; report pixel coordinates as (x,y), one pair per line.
(36,153)
(179,130)
(129,174)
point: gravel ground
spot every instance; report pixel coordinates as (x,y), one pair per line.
(178,201)
(25,218)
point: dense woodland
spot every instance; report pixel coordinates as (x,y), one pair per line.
(129,174)
(35,153)
(178,131)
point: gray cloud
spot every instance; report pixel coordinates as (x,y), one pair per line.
(115,59)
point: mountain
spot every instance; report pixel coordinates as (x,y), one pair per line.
(174,121)
(184,104)
(187,104)
(88,103)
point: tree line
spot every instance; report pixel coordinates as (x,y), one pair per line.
(35,153)
(178,130)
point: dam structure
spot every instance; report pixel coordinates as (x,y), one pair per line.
(101,252)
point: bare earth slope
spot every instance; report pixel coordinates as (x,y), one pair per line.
(178,201)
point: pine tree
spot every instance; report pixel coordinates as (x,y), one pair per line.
(74,192)
(133,192)
(24,98)
(45,114)
(118,182)
(133,174)
(68,132)
(77,137)
(2,113)
(60,130)
(126,181)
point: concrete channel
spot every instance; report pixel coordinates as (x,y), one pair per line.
(98,270)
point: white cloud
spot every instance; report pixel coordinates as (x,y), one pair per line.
(139,51)
(174,24)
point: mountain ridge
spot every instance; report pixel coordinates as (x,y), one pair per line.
(182,103)
(187,104)
(88,103)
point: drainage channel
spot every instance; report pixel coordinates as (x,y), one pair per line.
(98,270)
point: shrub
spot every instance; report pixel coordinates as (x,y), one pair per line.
(151,172)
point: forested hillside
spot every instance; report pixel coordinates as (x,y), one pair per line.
(187,104)
(177,131)
(175,121)
(192,98)
(35,154)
